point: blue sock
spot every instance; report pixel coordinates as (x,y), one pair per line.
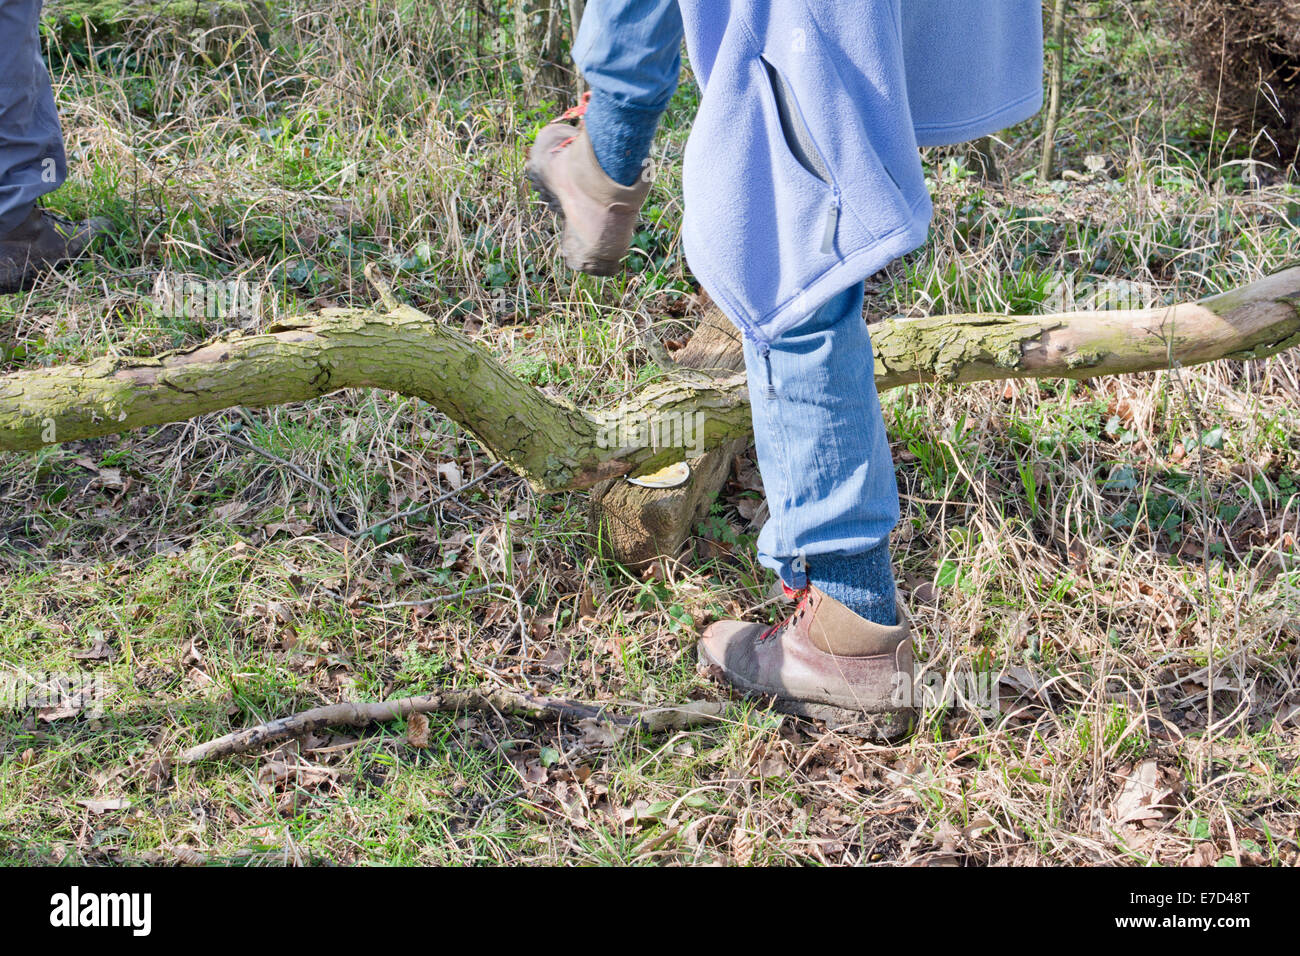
(862,582)
(621,136)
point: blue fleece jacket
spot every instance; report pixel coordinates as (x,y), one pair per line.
(801,174)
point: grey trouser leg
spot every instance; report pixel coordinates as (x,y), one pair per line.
(32,161)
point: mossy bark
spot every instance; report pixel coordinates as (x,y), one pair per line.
(551,442)
(558,446)
(1255,321)
(540,48)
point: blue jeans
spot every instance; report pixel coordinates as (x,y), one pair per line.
(822,448)
(32,161)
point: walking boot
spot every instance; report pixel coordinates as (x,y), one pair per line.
(824,661)
(599,214)
(41,241)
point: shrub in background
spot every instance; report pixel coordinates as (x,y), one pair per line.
(1245,57)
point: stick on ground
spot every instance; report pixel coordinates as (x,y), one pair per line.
(503,701)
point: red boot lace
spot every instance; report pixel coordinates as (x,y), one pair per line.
(802,595)
(572,113)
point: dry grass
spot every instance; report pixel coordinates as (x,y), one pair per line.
(1055,535)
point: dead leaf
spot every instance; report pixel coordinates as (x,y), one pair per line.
(597,733)
(192,656)
(742,846)
(294,528)
(451,473)
(1021,679)
(1205,854)
(1221,683)
(642,812)
(229,511)
(283,769)
(417,731)
(747,475)
(99,651)
(711,550)
(104,806)
(60,712)
(555,659)
(774,765)
(110,478)
(280,611)
(947,836)
(925,593)
(1140,798)
(188,856)
(157,774)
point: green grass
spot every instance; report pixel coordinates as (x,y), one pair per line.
(1052,531)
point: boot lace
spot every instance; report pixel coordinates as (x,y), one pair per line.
(802,594)
(572,113)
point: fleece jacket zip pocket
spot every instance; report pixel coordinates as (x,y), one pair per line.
(799,140)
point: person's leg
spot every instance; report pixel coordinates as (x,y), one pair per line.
(629,52)
(821,441)
(32,161)
(825,459)
(842,655)
(595,175)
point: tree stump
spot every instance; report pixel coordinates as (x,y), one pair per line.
(638,525)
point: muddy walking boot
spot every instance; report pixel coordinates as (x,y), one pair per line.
(599,214)
(39,242)
(823,661)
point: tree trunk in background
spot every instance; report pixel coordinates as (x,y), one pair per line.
(1057,66)
(539,45)
(980,154)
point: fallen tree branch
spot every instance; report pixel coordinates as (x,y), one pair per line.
(640,525)
(501,701)
(557,446)
(1255,321)
(547,440)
